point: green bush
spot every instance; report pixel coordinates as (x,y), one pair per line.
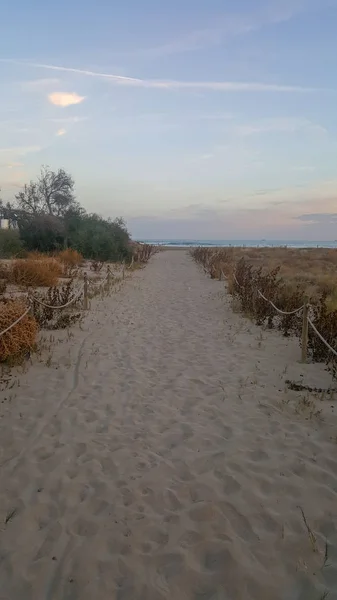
(50,219)
(10,243)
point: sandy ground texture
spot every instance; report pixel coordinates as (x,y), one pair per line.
(158,454)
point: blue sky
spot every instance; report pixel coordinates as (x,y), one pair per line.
(198,119)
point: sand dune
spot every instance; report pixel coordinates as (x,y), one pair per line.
(160,456)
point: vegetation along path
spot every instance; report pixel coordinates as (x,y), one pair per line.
(160,454)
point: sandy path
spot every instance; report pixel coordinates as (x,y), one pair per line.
(165,461)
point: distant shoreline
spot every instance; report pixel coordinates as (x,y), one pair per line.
(185,244)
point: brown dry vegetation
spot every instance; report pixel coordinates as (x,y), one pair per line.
(286,276)
(42,270)
(143,252)
(33,272)
(70,257)
(61,307)
(21,338)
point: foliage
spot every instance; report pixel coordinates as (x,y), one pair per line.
(244,281)
(52,194)
(3,286)
(57,318)
(44,233)
(325,322)
(97,238)
(35,273)
(143,252)
(70,257)
(51,220)
(96,266)
(21,338)
(10,243)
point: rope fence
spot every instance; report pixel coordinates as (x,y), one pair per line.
(83,291)
(281,312)
(15,322)
(321,337)
(306,320)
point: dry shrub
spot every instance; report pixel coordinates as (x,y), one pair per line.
(70,257)
(36,255)
(96,266)
(4,271)
(325,321)
(286,283)
(35,273)
(4,277)
(58,318)
(22,337)
(143,252)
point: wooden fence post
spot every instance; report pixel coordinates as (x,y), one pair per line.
(85,292)
(305,330)
(109,277)
(123,272)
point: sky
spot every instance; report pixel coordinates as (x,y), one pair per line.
(197,119)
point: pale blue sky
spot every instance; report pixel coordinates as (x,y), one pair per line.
(198,119)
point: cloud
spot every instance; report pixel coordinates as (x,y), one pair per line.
(13,165)
(228,26)
(20,150)
(217,86)
(61,132)
(326,218)
(68,120)
(65,98)
(278,125)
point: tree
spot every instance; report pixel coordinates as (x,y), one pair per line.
(52,194)
(44,233)
(49,218)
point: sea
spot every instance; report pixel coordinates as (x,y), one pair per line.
(183,243)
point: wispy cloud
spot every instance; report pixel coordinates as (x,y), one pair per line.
(228,26)
(64,99)
(280,125)
(20,150)
(67,120)
(61,132)
(219,86)
(319,218)
(11,165)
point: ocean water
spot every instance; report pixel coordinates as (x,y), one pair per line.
(242,243)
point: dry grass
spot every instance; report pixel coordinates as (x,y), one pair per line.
(70,258)
(285,276)
(56,317)
(36,255)
(143,252)
(22,337)
(31,272)
(311,270)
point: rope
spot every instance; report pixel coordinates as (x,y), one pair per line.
(97,283)
(16,322)
(321,337)
(236,281)
(292,312)
(282,312)
(35,299)
(57,307)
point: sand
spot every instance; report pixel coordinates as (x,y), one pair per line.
(157,453)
